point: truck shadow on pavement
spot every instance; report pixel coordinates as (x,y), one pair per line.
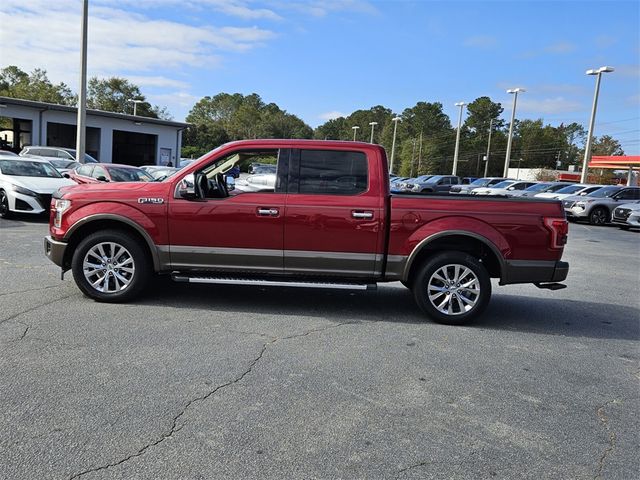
(395,304)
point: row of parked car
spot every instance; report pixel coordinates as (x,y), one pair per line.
(28,180)
(598,204)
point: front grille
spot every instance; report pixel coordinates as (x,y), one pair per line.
(621,213)
(44,200)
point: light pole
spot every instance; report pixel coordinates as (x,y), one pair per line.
(355,129)
(513,118)
(373,126)
(455,154)
(135,104)
(587,148)
(82,94)
(486,158)
(395,120)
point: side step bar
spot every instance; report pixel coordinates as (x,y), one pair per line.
(272,283)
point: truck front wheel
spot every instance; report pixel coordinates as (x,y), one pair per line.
(110,266)
(452,288)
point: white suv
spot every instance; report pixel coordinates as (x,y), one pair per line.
(598,205)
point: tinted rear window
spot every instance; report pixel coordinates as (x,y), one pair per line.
(333,172)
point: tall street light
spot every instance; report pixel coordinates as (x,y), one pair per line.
(355,129)
(455,154)
(82,93)
(135,104)
(587,148)
(373,126)
(486,158)
(395,120)
(513,118)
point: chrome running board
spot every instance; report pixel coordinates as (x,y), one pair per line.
(271,283)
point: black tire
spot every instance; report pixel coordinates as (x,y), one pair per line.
(4,205)
(475,296)
(131,264)
(599,216)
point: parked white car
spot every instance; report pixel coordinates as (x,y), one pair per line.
(627,216)
(27,184)
(505,188)
(257,183)
(569,190)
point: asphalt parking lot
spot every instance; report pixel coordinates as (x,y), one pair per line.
(207,382)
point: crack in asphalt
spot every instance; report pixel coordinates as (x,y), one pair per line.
(31,309)
(174,424)
(29,290)
(410,467)
(612,437)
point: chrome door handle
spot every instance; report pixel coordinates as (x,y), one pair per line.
(268,212)
(364,215)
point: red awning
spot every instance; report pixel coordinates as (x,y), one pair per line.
(615,162)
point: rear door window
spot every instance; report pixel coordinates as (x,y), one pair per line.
(331,172)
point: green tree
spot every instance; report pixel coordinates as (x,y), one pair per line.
(116,94)
(16,83)
(606,145)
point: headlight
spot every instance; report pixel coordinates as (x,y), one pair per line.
(581,205)
(60,207)
(23,191)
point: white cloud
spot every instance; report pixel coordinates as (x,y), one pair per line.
(44,34)
(157,81)
(560,48)
(546,105)
(322,8)
(481,41)
(180,99)
(331,115)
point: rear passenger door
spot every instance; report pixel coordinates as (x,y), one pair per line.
(333,215)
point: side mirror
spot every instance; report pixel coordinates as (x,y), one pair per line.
(66,175)
(511,188)
(231,183)
(186,188)
(102,178)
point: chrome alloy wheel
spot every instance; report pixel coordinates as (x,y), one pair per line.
(108,267)
(453,289)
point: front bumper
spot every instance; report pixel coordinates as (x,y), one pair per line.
(54,250)
(534,271)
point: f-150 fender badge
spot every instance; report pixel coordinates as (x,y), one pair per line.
(151,200)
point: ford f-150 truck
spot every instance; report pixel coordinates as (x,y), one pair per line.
(327,220)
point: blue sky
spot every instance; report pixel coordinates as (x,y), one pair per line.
(319,59)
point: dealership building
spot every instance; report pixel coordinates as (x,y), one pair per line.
(110,137)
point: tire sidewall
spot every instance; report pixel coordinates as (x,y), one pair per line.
(141,262)
(592,216)
(5,199)
(423,275)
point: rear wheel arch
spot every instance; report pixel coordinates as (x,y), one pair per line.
(475,245)
(80,231)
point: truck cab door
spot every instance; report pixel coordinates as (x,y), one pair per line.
(334,211)
(238,230)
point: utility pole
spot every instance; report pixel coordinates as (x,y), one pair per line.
(413,156)
(457,149)
(420,154)
(82,90)
(486,165)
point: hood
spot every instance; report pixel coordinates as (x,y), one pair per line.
(40,184)
(104,189)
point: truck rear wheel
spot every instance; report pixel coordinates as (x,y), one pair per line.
(110,266)
(452,288)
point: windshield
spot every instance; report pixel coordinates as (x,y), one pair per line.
(25,168)
(571,189)
(119,174)
(61,163)
(604,192)
(87,158)
(504,184)
(480,182)
(538,187)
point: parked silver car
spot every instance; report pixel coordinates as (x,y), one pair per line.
(477,183)
(598,205)
(627,216)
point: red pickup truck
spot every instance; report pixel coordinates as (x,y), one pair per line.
(325,219)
